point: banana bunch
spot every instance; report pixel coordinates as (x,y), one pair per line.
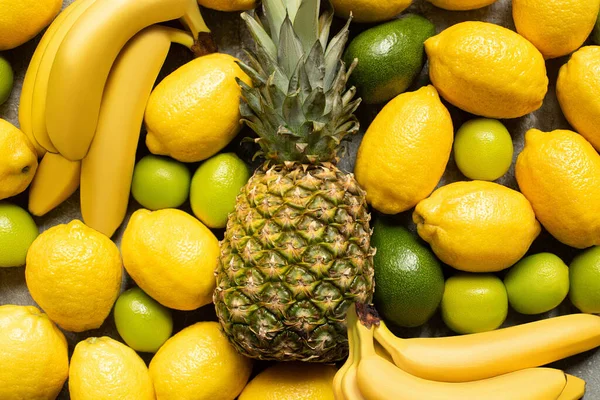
(502,364)
(84,96)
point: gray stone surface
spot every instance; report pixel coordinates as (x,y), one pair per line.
(232,37)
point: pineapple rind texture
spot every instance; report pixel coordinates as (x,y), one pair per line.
(295,256)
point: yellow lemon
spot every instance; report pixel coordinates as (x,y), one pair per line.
(228,5)
(477,226)
(35,360)
(405,151)
(21,20)
(104,369)
(74,273)
(461,5)
(199,363)
(559,172)
(18,160)
(487,70)
(171,256)
(555,27)
(292,381)
(369,10)
(578,91)
(194,112)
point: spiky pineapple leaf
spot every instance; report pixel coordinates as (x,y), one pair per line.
(315,66)
(306,23)
(275,13)
(334,52)
(290,49)
(292,7)
(325,22)
(260,36)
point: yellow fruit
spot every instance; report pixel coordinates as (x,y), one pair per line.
(199,363)
(559,172)
(228,5)
(292,381)
(369,10)
(74,274)
(172,256)
(35,360)
(21,20)
(104,369)
(578,91)
(405,151)
(461,5)
(194,112)
(18,160)
(487,70)
(555,27)
(477,226)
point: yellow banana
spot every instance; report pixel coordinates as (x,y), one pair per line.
(339,376)
(84,60)
(379,379)
(55,181)
(574,390)
(40,87)
(25,104)
(484,355)
(349,383)
(107,169)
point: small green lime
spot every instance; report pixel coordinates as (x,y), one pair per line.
(17,231)
(160,182)
(215,186)
(474,303)
(537,283)
(409,279)
(483,149)
(142,322)
(6,80)
(584,273)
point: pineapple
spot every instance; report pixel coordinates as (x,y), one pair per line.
(296,252)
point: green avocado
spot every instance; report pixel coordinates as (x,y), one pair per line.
(390,57)
(409,283)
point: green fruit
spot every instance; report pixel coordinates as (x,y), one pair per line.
(390,57)
(596,32)
(483,149)
(143,323)
(160,182)
(409,279)
(17,231)
(6,80)
(474,303)
(215,186)
(537,283)
(584,274)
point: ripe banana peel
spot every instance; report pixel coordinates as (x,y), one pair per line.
(26,102)
(484,355)
(55,181)
(378,379)
(574,390)
(84,60)
(107,170)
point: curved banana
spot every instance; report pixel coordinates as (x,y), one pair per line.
(339,376)
(25,103)
(107,169)
(39,105)
(84,60)
(349,383)
(574,390)
(379,379)
(55,181)
(484,355)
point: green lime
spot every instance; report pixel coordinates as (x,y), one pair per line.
(215,186)
(142,322)
(6,80)
(584,273)
(160,182)
(483,149)
(409,278)
(474,303)
(17,231)
(537,283)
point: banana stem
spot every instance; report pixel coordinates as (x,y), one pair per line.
(195,23)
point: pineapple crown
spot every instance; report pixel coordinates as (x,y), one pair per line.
(299,105)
